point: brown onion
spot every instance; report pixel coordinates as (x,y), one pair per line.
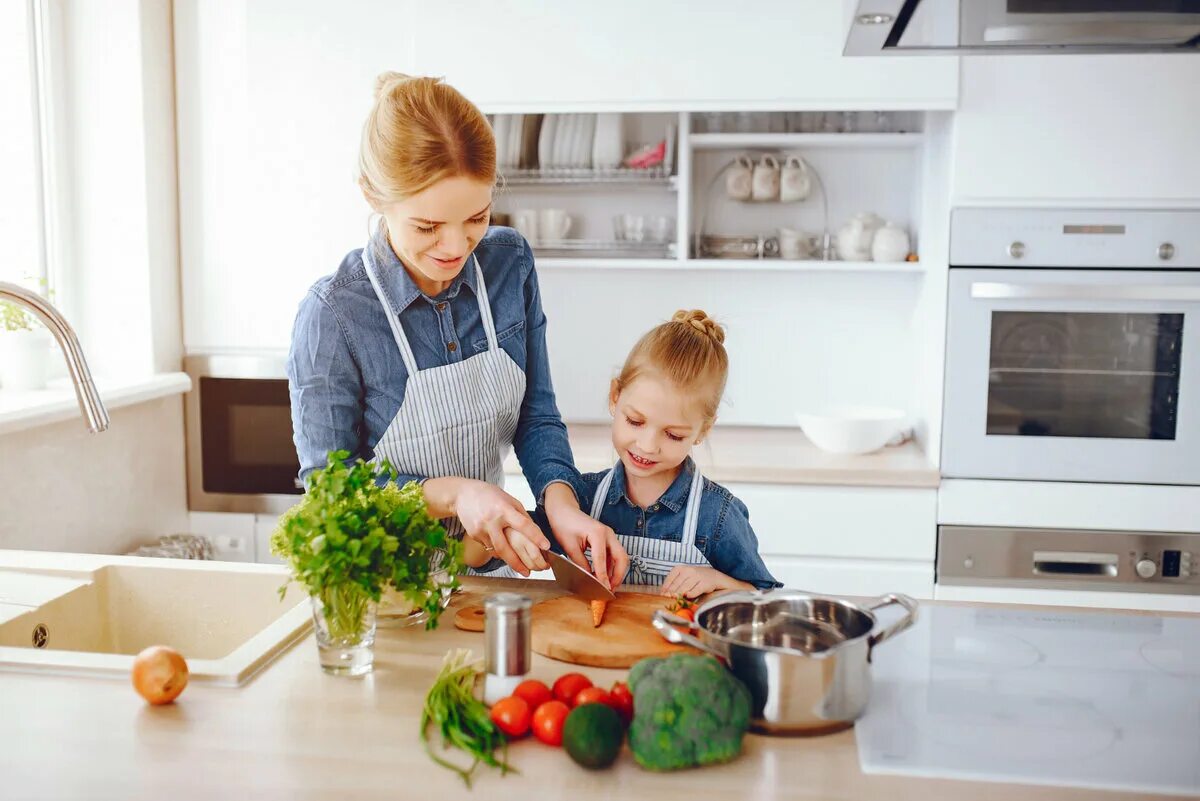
(159,674)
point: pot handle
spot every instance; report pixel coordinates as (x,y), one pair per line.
(665,622)
(900,625)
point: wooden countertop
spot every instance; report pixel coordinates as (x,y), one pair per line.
(295,733)
(768,456)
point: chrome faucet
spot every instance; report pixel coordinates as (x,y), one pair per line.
(85,389)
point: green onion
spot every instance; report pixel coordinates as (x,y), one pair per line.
(464,720)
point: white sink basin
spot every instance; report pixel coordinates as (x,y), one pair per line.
(90,615)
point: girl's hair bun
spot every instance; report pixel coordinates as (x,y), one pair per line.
(700,321)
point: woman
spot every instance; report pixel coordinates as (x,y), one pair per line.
(428,346)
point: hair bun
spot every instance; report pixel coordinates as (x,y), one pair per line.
(700,321)
(387,81)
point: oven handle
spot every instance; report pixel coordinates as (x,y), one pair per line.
(989,290)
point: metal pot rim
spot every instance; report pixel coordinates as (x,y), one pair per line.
(763,597)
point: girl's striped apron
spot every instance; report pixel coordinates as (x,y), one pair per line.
(456,419)
(650,560)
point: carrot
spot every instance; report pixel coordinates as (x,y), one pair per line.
(598,608)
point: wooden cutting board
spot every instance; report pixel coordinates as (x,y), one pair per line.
(562,630)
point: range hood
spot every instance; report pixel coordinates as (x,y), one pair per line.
(1000,27)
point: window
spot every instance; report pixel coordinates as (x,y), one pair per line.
(22,228)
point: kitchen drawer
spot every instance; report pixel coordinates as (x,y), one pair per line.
(834,521)
(864,577)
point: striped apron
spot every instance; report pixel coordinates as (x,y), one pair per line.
(456,419)
(650,560)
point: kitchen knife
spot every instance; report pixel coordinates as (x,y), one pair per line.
(572,578)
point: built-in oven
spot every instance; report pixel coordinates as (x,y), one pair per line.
(1073,346)
(240,453)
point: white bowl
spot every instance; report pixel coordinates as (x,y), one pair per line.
(852,429)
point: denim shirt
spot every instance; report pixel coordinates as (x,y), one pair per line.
(723,531)
(347,378)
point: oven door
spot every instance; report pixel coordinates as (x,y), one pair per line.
(1073,375)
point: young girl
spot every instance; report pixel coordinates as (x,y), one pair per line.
(684,533)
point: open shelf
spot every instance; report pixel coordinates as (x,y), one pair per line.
(719,141)
(768,265)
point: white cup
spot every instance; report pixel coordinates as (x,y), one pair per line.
(553,224)
(794,181)
(765,183)
(739,179)
(526,221)
(794,245)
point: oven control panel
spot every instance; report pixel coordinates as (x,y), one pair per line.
(1129,561)
(1149,239)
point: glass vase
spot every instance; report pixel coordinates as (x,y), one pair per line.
(344,622)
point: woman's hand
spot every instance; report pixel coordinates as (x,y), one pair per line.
(486,511)
(577,531)
(692,581)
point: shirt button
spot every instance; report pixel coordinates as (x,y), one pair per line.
(451,347)
(639,523)
(441,306)
(654,508)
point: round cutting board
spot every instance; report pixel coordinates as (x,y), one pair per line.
(562,630)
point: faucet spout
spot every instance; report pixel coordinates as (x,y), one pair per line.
(85,388)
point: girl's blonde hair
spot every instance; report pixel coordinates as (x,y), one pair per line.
(689,351)
(419,131)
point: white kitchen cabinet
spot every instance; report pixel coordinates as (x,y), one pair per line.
(232,535)
(842,522)
(518,55)
(264,526)
(1087,130)
(862,577)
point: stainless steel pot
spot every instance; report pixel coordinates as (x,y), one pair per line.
(805,658)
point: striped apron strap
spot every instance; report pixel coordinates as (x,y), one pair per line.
(410,361)
(601,494)
(485,308)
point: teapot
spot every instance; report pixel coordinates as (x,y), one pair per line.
(855,237)
(890,244)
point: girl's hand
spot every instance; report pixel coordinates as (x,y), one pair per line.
(576,531)
(692,581)
(486,511)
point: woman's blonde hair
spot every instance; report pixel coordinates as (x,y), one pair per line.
(688,351)
(419,131)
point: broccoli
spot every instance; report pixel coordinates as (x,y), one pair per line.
(687,710)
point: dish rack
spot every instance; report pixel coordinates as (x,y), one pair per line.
(606,247)
(557,176)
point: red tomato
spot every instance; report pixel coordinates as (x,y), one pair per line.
(569,685)
(511,716)
(686,614)
(534,692)
(548,722)
(620,698)
(590,695)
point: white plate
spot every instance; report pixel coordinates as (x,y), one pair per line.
(500,130)
(546,141)
(562,140)
(515,137)
(583,155)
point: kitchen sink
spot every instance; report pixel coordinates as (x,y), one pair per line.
(90,615)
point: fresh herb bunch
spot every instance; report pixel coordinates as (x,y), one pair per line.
(355,529)
(464,720)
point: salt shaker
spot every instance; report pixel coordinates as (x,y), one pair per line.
(506,656)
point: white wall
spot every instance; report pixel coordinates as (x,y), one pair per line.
(65,489)
(1078,130)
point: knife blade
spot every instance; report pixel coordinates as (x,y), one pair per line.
(573,579)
